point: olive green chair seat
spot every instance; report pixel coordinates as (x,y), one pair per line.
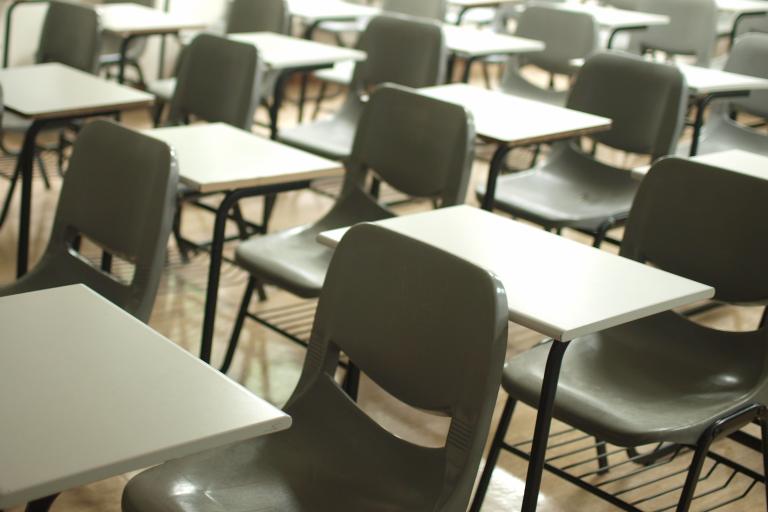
(616,384)
(436,344)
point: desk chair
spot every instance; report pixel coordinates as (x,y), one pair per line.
(242,16)
(111,44)
(646,102)
(70,35)
(119,192)
(749,56)
(342,74)
(568,35)
(691,31)
(665,379)
(219,81)
(389,42)
(435,343)
(421,146)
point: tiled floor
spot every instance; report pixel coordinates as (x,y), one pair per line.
(269,365)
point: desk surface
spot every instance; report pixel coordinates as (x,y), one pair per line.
(507,119)
(709,81)
(734,160)
(52,91)
(218,157)
(129,19)
(471,42)
(742,6)
(91,392)
(281,52)
(612,18)
(329,10)
(466,4)
(555,286)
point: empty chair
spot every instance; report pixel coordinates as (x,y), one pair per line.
(567,35)
(691,31)
(242,16)
(71,35)
(111,46)
(389,42)
(749,56)
(119,192)
(646,103)
(430,9)
(218,82)
(387,300)
(420,146)
(665,378)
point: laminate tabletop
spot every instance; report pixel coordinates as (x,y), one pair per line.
(558,287)
(509,119)
(130,19)
(742,6)
(89,392)
(616,19)
(218,157)
(735,160)
(711,81)
(279,52)
(51,91)
(471,42)
(314,11)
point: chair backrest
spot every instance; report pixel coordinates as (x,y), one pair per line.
(119,191)
(567,35)
(432,9)
(257,16)
(704,223)
(71,35)
(691,31)
(218,81)
(391,42)
(645,100)
(427,327)
(419,145)
(749,56)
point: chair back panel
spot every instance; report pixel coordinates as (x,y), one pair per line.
(431,9)
(71,35)
(257,16)
(419,145)
(749,56)
(645,100)
(218,82)
(704,223)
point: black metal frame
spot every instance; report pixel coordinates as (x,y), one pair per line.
(739,18)
(701,102)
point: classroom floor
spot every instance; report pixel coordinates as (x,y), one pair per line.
(269,365)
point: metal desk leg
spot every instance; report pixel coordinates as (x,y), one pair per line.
(543,422)
(701,106)
(24,168)
(41,505)
(497,162)
(468,69)
(123,56)
(277,101)
(460,16)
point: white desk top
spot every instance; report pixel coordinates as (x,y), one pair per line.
(91,393)
(707,81)
(508,119)
(734,160)
(742,6)
(612,18)
(555,286)
(470,42)
(218,157)
(329,10)
(129,19)
(280,52)
(51,91)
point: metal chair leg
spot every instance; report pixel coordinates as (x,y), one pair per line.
(180,244)
(238,327)
(493,454)
(269,206)
(41,505)
(319,100)
(351,384)
(694,472)
(764,434)
(9,197)
(602,457)
(43,170)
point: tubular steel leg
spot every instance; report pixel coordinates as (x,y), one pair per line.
(543,423)
(701,105)
(123,57)
(694,471)
(9,197)
(764,434)
(352,381)
(468,69)
(238,327)
(41,505)
(277,101)
(493,455)
(602,457)
(497,162)
(24,166)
